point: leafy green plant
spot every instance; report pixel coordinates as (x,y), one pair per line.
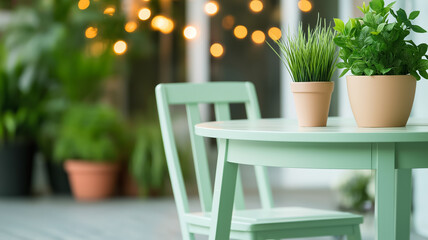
(91,133)
(355,191)
(147,163)
(309,57)
(372,45)
(20,111)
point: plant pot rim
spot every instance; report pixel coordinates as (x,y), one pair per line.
(314,82)
(379,76)
(312,87)
(74,165)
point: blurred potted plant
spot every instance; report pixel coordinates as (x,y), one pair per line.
(19,117)
(147,164)
(91,142)
(356,191)
(49,41)
(385,65)
(24,90)
(310,59)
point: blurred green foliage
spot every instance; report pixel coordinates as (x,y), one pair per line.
(51,80)
(47,63)
(92,132)
(147,164)
(355,193)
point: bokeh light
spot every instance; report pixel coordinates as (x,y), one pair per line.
(211,8)
(216,50)
(190,32)
(110,11)
(91,32)
(305,5)
(228,22)
(240,32)
(274,33)
(258,37)
(163,24)
(256,6)
(83,4)
(131,26)
(144,14)
(120,47)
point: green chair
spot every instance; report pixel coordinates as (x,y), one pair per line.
(265,223)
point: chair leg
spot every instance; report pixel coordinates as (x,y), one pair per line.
(356,235)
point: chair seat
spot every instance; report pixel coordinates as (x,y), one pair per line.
(279,219)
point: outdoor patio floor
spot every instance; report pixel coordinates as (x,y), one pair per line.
(61,218)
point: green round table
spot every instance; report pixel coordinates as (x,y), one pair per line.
(391,152)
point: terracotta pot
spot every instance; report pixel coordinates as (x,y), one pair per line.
(381,101)
(312,101)
(91,181)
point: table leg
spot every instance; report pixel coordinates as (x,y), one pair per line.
(385,191)
(403,202)
(224,191)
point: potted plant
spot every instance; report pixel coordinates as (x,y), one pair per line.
(385,65)
(310,59)
(91,142)
(18,122)
(147,164)
(22,97)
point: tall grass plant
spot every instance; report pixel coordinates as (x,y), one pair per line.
(311,56)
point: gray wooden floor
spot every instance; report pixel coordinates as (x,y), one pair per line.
(61,218)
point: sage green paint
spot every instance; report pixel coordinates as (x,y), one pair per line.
(391,152)
(265,223)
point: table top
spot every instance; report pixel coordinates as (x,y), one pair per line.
(337,130)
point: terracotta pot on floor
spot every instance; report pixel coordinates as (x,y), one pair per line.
(381,101)
(92,181)
(312,101)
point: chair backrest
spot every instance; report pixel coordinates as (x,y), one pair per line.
(221,94)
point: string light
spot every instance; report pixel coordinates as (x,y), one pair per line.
(305,5)
(216,50)
(144,14)
(228,22)
(211,8)
(91,32)
(190,32)
(240,32)
(131,26)
(256,6)
(120,47)
(274,33)
(163,24)
(258,37)
(83,4)
(110,11)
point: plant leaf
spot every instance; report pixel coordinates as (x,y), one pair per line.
(341,65)
(424,74)
(414,15)
(401,14)
(422,48)
(368,71)
(380,27)
(377,5)
(385,70)
(339,25)
(418,29)
(344,72)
